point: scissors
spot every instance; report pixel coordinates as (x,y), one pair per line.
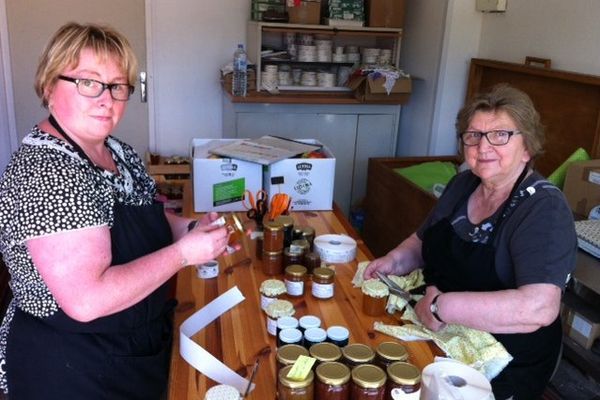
(256,206)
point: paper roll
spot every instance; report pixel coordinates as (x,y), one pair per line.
(335,248)
(453,380)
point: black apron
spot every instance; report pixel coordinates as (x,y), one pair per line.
(121,356)
(455,265)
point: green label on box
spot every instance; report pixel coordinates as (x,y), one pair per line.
(228,192)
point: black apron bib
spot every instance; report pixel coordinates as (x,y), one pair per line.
(121,356)
(455,265)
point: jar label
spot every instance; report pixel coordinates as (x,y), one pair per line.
(208,270)
(294,288)
(322,290)
(265,301)
(272,326)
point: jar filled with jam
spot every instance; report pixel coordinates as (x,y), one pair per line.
(276,310)
(288,354)
(234,226)
(294,280)
(270,290)
(272,262)
(258,237)
(308,233)
(312,260)
(289,336)
(368,383)
(300,246)
(322,283)
(288,228)
(375,294)
(273,236)
(388,353)
(313,336)
(289,389)
(286,323)
(292,257)
(333,381)
(338,335)
(325,352)
(404,377)
(356,354)
(297,232)
(309,321)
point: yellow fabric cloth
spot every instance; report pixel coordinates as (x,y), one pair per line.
(478,349)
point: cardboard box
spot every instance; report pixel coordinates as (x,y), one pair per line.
(385,13)
(219,183)
(367,89)
(580,321)
(582,186)
(308,12)
(308,181)
(227,81)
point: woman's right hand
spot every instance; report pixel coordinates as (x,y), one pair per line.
(203,243)
(383,264)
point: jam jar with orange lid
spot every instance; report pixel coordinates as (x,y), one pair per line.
(273,236)
(388,353)
(270,290)
(288,354)
(289,389)
(325,352)
(272,262)
(294,280)
(356,354)
(368,383)
(375,294)
(288,228)
(402,376)
(323,286)
(332,382)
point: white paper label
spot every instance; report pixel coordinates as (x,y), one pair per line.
(272,326)
(265,301)
(582,326)
(294,288)
(322,290)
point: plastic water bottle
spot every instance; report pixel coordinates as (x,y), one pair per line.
(240,72)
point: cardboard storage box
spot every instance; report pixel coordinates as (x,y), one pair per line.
(308,12)
(582,186)
(308,181)
(580,321)
(367,89)
(227,81)
(385,13)
(219,183)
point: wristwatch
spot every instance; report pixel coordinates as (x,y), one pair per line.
(433,307)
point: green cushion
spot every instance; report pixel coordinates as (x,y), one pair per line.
(427,174)
(558,176)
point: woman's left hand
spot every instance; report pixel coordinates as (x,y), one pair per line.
(423,310)
(208,218)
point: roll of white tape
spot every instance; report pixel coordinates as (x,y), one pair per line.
(335,248)
(208,270)
(454,380)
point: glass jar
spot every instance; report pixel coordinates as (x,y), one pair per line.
(300,245)
(288,354)
(312,260)
(286,323)
(308,233)
(288,389)
(388,353)
(276,310)
(297,232)
(294,280)
(313,336)
(270,290)
(273,236)
(338,335)
(309,321)
(325,352)
(272,262)
(222,392)
(258,245)
(375,295)
(291,257)
(289,336)
(333,381)
(368,383)
(322,283)
(356,354)
(288,228)
(402,376)
(208,270)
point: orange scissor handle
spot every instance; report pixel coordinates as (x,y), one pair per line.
(249,201)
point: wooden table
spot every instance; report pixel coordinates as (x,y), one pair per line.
(240,336)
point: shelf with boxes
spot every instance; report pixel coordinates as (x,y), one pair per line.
(299,57)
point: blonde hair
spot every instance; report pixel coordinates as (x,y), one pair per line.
(64,48)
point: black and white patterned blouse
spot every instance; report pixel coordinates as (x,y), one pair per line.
(48,188)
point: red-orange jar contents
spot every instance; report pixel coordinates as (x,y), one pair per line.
(403,376)
(368,383)
(273,236)
(288,389)
(272,262)
(333,381)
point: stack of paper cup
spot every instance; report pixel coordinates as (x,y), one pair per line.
(307,53)
(270,76)
(385,56)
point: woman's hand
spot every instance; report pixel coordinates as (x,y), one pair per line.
(383,264)
(203,243)
(401,260)
(208,218)
(423,309)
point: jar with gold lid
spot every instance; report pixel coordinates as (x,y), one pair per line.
(270,290)
(276,310)
(292,257)
(312,260)
(300,246)
(297,232)
(403,377)
(333,381)
(289,389)
(325,352)
(294,280)
(222,392)
(322,283)
(368,383)
(390,352)
(288,228)
(308,233)
(356,354)
(375,294)
(272,262)
(288,354)
(273,236)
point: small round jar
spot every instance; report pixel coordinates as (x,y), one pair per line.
(313,336)
(270,290)
(300,245)
(325,352)
(286,323)
(368,382)
(297,232)
(309,321)
(288,354)
(375,295)
(308,233)
(208,270)
(288,228)
(276,310)
(273,236)
(388,353)
(222,392)
(333,381)
(289,336)
(288,389)
(294,280)
(272,262)
(356,354)
(404,377)
(338,335)
(323,286)
(291,257)
(312,260)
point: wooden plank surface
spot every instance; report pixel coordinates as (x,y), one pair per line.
(240,336)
